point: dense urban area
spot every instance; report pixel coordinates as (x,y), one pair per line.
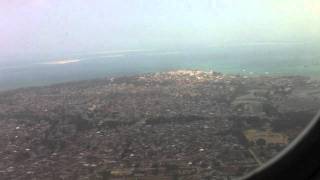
(179,125)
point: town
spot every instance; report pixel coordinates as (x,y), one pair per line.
(177,125)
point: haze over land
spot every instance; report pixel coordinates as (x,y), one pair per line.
(175,125)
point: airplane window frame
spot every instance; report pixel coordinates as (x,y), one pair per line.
(300,160)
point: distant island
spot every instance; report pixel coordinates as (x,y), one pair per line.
(172,125)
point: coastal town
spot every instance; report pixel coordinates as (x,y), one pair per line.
(176,125)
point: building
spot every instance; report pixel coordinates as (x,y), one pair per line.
(270,137)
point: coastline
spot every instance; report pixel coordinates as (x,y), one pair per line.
(240,73)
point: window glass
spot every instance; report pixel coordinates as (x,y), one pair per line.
(160,89)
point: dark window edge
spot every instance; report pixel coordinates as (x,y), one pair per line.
(299,160)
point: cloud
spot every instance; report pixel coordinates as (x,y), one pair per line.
(122,51)
(314,7)
(23,3)
(165,53)
(271,43)
(61,62)
(112,56)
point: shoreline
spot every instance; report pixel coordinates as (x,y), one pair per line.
(246,75)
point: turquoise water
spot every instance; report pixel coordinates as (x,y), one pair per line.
(249,61)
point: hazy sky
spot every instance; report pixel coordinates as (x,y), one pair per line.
(64,26)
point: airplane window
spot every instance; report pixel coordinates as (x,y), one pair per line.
(147,90)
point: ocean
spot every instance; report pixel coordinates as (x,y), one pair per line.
(247,60)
